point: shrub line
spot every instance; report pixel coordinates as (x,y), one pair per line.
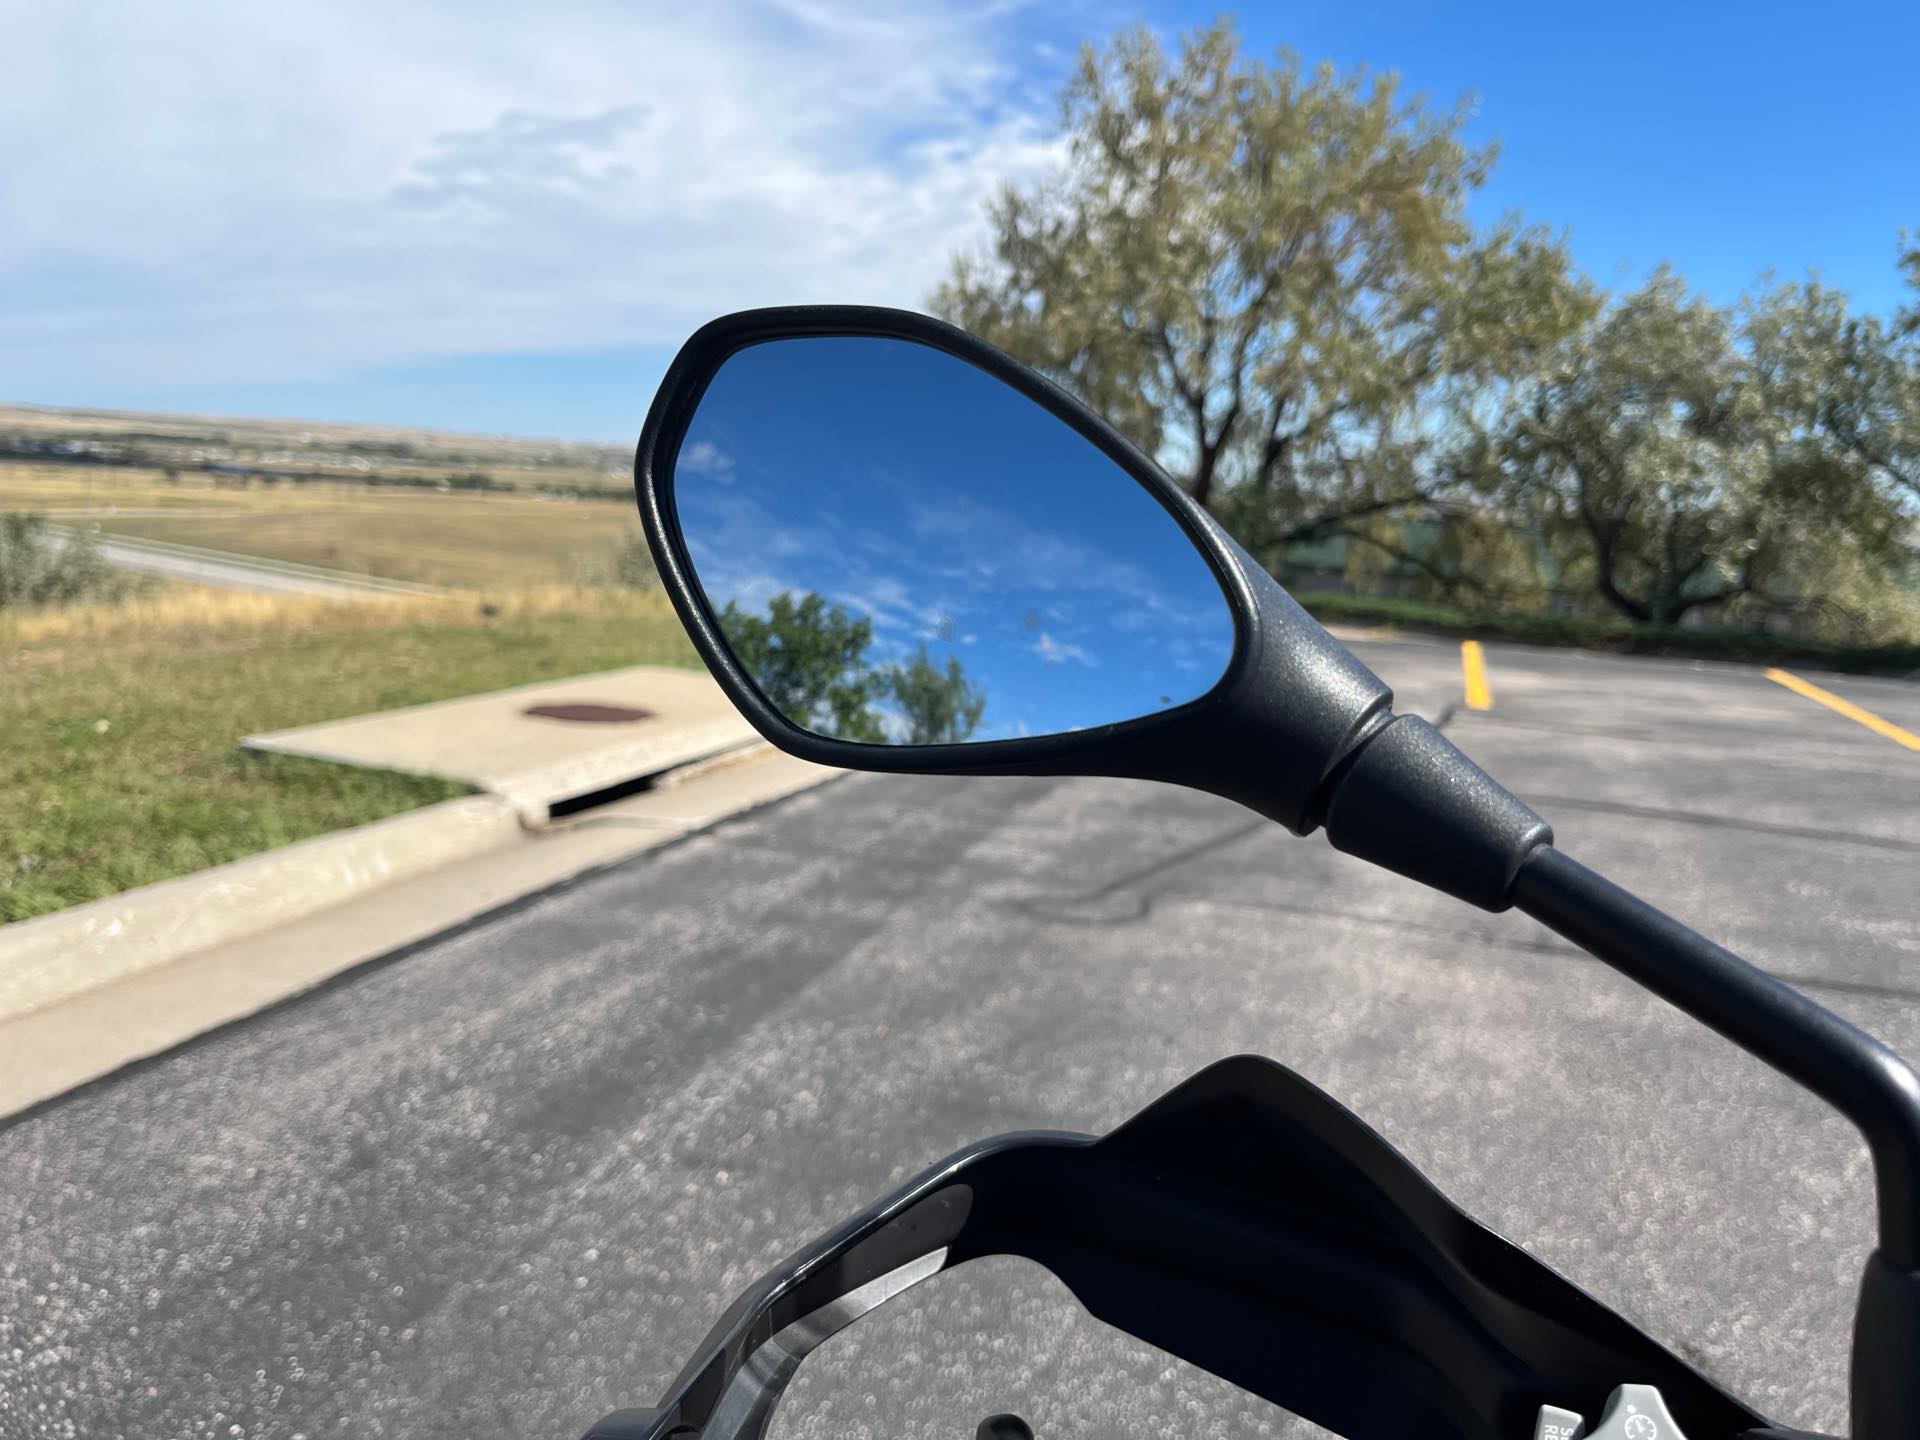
(1619,636)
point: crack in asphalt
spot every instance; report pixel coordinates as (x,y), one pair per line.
(1061,910)
(1053,908)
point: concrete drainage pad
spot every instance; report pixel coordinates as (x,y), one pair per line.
(539,745)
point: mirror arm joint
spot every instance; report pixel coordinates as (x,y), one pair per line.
(1407,799)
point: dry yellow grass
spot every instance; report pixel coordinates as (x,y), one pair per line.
(28,486)
(459,539)
(211,617)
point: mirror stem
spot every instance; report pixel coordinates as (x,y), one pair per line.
(1849,1069)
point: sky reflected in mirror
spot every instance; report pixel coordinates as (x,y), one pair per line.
(901,549)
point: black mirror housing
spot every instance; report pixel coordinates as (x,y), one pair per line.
(1289,724)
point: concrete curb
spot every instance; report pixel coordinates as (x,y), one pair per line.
(188,976)
(55,957)
(49,960)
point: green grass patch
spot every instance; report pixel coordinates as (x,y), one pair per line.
(119,765)
(1619,635)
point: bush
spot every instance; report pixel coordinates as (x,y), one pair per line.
(629,564)
(1620,635)
(38,567)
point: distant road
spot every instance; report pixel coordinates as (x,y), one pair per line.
(245,572)
(134,512)
(228,574)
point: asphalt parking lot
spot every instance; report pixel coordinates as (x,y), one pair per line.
(507,1181)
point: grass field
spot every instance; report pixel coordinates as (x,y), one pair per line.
(119,766)
(27,486)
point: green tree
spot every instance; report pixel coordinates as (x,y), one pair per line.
(809,659)
(1841,397)
(942,707)
(1838,396)
(1675,454)
(1908,321)
(1869,392)
(1266,277)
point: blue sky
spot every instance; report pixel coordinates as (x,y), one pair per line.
(503,218)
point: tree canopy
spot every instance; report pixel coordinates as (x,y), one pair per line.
(941,706)
(1266,277)
(1679,455)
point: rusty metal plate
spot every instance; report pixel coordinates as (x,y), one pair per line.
(585,712)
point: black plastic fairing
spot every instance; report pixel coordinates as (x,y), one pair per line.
(1249,1224)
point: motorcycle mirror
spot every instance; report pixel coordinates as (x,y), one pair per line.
(899,549)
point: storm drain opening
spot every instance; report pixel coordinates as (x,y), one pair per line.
(575,805)
(593,799)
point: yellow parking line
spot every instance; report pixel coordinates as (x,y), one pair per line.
(1473,664)
(1847,708)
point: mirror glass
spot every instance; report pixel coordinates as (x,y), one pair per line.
(903,550)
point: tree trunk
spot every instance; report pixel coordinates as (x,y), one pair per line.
(1204,469)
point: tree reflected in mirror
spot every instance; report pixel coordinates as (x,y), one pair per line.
(940,705)
(810,658)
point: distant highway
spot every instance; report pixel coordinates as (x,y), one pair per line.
(229,574)
(244,572)
(133,512)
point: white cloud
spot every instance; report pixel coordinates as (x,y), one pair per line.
(1058,652)
(217,190)
(703,457)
